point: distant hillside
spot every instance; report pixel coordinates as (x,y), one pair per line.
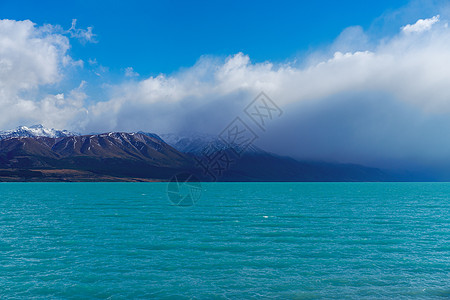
(119,156)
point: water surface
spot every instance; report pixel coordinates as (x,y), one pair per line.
(240,240)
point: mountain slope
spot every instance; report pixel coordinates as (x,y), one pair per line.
(216,161)
(119,156)
(115,154)
(197,144)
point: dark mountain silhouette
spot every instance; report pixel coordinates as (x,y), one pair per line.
(119,156)
(112,154)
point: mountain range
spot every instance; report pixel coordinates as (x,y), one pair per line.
(37,153)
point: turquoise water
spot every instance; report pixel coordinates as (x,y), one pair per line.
(240,240)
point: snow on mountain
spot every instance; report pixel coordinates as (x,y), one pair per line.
(190,143)
(35,131)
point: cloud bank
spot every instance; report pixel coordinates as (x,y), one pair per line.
(32,58)
(378,102)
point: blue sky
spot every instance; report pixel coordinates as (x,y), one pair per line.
(358,81)
(162,36)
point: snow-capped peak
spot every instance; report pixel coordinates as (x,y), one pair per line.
(35,131)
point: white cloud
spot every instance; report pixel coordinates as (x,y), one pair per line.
(31,58)
(92,62)
(421,25)
(129,72)
(403,67)
(84,35)
(28,55)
